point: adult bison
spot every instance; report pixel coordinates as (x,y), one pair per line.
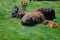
(18,12)
(32,18)
(49,13)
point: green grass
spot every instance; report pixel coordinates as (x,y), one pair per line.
(11,28)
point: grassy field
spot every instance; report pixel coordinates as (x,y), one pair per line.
(11,28)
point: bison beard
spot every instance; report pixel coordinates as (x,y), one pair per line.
(48,13)
(32,18)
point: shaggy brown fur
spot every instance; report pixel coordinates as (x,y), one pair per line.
(20,13)
(50,23)
(49,13)
(34,15)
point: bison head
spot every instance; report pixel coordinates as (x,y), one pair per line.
(15,11)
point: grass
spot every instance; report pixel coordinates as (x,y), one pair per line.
(11,28)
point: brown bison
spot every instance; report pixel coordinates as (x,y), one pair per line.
(32,18)
(18,12)
(49,13)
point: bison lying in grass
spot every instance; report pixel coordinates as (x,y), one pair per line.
(32,18)
(18,12)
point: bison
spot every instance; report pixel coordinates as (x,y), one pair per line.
(32,18)
(49,13)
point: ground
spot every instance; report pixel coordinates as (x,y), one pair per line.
(11,28)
